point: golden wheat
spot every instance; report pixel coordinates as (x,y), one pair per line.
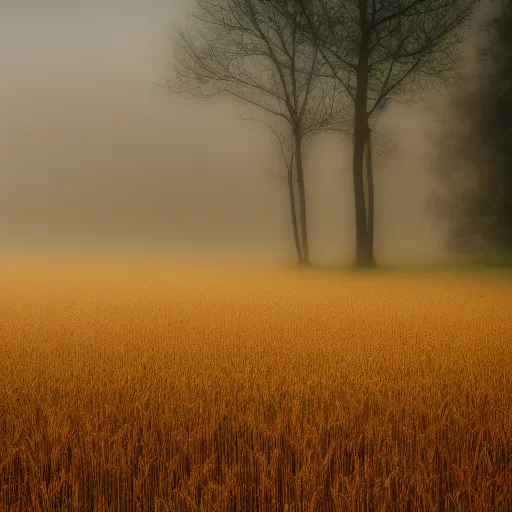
(151,389)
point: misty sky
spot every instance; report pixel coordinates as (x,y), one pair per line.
(93,154)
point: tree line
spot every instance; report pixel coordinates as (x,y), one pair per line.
(474,159)
(312,66)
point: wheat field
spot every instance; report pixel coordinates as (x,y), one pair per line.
(132,387)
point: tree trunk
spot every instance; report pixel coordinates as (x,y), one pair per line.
(363,253)
(293,208)
(371,196)
(302,195)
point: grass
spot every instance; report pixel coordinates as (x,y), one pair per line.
(131,387)
(501,268)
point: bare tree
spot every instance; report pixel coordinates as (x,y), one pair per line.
(258,54)
(378,49)
(285,140)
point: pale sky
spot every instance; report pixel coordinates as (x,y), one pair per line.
(94,155)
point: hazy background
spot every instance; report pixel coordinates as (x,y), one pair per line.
(94,156)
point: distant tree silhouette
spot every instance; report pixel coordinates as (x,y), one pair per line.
(474,163)
(256,53)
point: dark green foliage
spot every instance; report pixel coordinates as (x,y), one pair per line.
(475,161)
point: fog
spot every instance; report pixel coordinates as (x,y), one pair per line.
(95,156)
